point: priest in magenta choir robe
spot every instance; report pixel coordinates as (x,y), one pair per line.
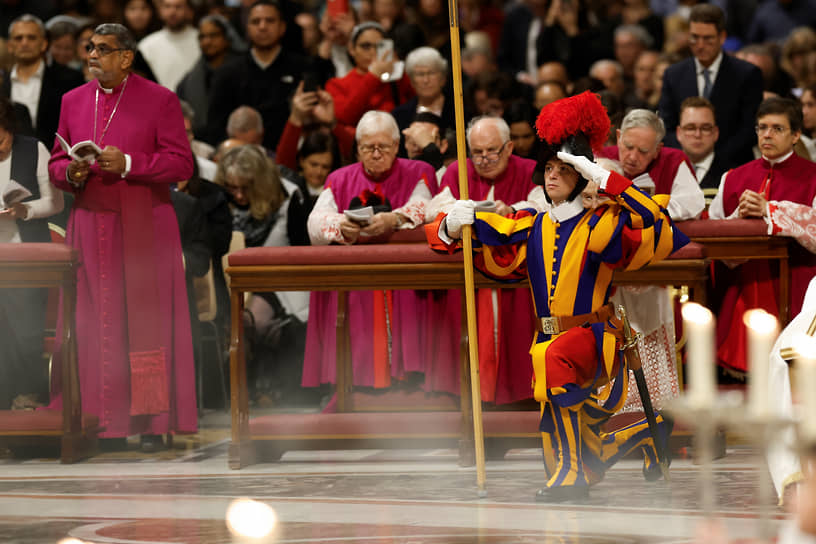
(136,366)
(780,188)
(386,338)
(504,316)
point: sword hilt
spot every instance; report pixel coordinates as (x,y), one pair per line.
(631,337)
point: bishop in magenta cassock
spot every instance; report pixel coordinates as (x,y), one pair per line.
(136,366)
(386,338)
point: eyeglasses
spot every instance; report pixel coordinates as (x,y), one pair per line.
(366,46)
(694,38)
(706,129)
(776,130)
(488,157)
(102,49)
(369,149)
(422,75)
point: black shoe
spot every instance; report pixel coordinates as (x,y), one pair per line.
(151,443)
(654,473)
(562,493)
(112,444)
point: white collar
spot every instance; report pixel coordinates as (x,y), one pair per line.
(713,69)
(777,160)
(39,73)
(706,162)
(566,210)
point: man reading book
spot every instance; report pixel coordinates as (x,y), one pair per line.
(135,351)
(26,199)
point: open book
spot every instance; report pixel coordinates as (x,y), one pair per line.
(360,215)
(85,150)
(13,193)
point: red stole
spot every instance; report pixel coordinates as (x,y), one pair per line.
(513,185)
(662,170)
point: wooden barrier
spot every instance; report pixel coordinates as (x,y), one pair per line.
(49,265)
(390,266)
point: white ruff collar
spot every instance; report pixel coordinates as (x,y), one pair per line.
(566,210)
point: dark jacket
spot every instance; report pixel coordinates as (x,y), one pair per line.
(57,80)
(736,95)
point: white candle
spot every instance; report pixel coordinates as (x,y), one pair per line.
(762,334)
(698,324)
(805,377)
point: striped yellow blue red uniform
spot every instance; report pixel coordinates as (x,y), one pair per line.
(570,264)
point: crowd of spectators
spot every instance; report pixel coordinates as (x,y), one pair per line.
(273,91)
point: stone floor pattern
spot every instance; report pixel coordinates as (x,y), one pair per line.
(365,496)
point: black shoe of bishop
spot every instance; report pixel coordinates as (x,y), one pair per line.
(562,493)
(151,443)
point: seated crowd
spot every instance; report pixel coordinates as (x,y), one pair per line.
(296,115)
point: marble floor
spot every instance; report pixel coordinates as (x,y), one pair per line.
(367,496)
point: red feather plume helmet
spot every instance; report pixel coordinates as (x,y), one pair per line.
(577,124)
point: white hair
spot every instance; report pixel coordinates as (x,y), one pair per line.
(498,122)
(425,56)
(599,64)
(374,122)
(644,118)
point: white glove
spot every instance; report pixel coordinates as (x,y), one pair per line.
(462,213)
(586,168)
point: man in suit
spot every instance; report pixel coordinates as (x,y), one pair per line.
(732,85)
(698,133)
(34,83)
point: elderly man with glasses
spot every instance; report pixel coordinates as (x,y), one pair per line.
(383,324)
(494,173)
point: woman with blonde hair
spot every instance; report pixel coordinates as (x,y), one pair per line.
(800,45)
(270,211)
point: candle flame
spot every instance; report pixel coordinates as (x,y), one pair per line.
(252,519)
(697,313)
(760,321)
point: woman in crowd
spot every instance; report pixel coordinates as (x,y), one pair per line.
(139,16)
(797,53)
(270,211)
(520,117)
(62,43)
(217,40)
(316,157)
(367,86)
(428,72)
(809,120)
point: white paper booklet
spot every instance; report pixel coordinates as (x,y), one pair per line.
(360,215)
(485,206)
(13,193)
(85,150)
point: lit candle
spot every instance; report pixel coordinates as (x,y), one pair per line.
(805,379)
(762,333)
(698,324)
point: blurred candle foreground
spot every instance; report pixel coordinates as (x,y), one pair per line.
(805,377)
(698,324)
(250,520)
(762,332)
